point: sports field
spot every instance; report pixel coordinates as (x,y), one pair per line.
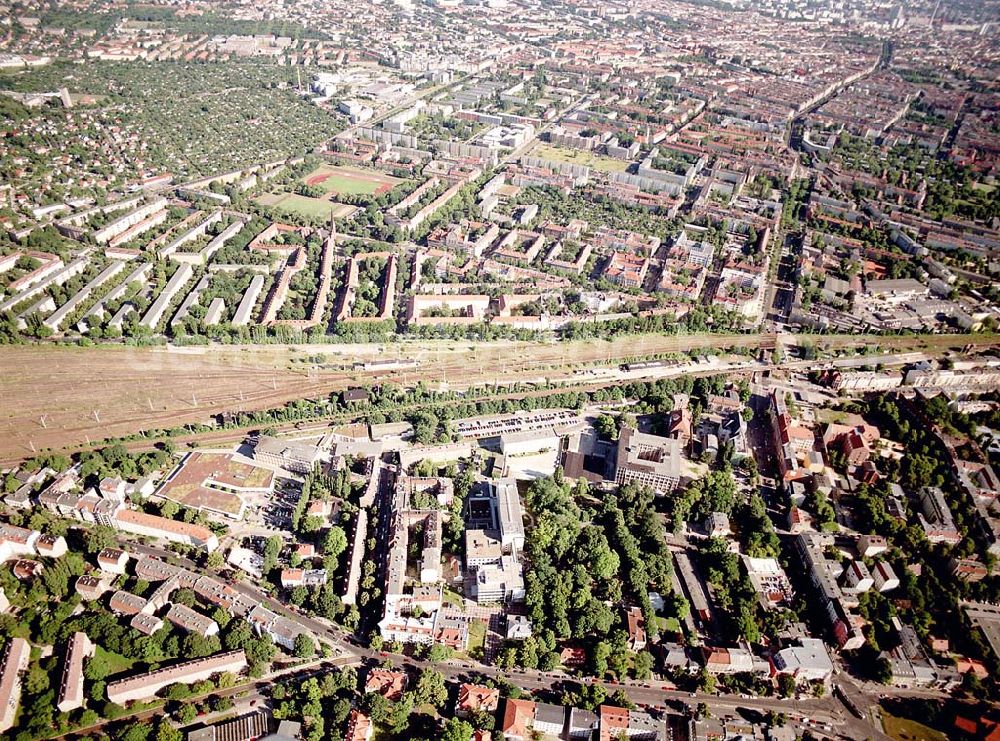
(350,180)
(306,206)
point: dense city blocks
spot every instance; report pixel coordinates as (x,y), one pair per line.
(499,370)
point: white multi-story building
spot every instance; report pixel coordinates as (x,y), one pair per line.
(648,460)
(510,515)
(502,582)
(885,578)
(15,662)
(809,661)
(290,455)
(857,578)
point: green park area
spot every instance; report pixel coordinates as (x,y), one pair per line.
(115,663)
(904,729)
(305,205)
(580,157)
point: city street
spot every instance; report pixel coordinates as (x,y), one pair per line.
(823,711)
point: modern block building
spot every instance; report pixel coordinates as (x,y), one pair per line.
(648,460)
(290,455)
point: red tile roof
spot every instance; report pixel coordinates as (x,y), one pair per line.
(473,698)
(517,718)
(389,684)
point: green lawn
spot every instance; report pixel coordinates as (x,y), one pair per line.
(351,185)
(903,729)
(580,157)
(453,598)
(116,662)
(477,637)
(670,625)
(305,206)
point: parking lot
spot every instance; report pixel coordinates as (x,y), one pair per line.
(276,512)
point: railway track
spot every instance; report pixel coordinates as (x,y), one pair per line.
(122,402)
